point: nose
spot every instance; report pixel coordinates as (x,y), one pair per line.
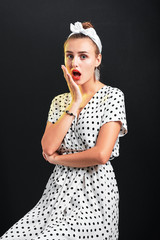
(75,62)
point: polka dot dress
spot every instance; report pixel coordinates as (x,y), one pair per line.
(78,203)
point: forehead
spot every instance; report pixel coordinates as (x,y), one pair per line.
(79,45)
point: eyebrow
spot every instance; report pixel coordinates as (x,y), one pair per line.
(78,52)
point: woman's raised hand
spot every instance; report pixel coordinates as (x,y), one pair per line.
(73,87)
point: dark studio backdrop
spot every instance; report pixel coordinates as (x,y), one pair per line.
(32,37)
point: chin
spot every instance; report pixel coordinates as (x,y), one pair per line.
(78,83)
(81,81)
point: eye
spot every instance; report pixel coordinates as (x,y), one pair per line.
(83,56)
(70,56)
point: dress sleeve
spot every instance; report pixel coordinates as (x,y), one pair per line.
(53,111)
(115,110)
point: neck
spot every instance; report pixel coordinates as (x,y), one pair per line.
(90,87)
(88,91)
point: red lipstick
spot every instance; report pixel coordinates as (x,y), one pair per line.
(76,74)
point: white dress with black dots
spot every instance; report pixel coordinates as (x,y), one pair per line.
(78,203)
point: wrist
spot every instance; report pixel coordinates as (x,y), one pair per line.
(73,107)
(70,113)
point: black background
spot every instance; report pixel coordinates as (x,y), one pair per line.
(32,37)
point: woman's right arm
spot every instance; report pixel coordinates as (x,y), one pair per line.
(54,133)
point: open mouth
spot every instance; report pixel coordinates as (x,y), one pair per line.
(76,74)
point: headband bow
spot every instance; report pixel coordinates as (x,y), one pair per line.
(90,32)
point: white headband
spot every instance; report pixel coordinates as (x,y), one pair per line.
(90,32)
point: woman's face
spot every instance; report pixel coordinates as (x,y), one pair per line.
(81,60)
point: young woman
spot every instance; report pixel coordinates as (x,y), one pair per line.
(81,138)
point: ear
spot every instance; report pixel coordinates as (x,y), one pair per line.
(98,60)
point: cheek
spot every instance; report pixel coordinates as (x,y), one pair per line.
(90,66)
(65,61)
(68,65)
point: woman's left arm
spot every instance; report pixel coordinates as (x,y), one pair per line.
(99,154)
